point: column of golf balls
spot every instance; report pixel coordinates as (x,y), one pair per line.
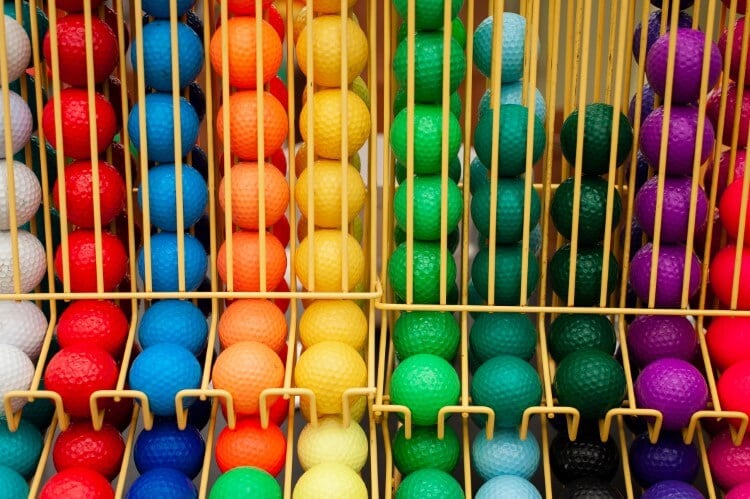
(252,332)
(172,333)
(333,333)
(663,347)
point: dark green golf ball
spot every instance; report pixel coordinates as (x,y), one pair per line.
(591,381)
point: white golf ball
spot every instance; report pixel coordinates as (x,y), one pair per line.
(20,123)
(28,194)
(23,326)
(18,48)
(32,263)
(16,372)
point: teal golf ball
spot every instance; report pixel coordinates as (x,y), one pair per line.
(505,454)
(161,9)
(174,321)
(13,484)
(512,93)
(20,450)
(513,47)
(511,139)
(508,487)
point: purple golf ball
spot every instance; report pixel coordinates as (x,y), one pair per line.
(654,337)
(653,32)
(670,274)
(683,134)
(675,388)
(648,104)
(672,489)
(675,208)
(668,459)
(688,66)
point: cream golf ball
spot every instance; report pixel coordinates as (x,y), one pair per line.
(16,372)
(21,123)
(28,194)
(32,264)
(22,325)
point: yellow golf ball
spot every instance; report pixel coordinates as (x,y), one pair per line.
(323,183)
(329,252)
(331,442)
(333,320)
(330,481)
(328,129)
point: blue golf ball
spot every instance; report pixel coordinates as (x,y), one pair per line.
(20,450)
(512,93)
(14,485)
(507,487)
(505,454)
(672,489)
(160,128)
(513,47)
(162,483)
(157,55)
(164,262)
(161,371)
(670,458)
(162,196)
(160,9)
(166,446)
(174,321)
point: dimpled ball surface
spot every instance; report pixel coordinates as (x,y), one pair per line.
(174,321)
(590,488)
(17,46)
(736,55)
(675,208)
(327,122)
(76,125)
(428,66)
(329,252)
(166,446)
(508,267)
(82,446)
(431,332)
(508,487)
(428,138)
(688,65)
(425,449)
(162,196)
(27,190)
(157,55)
(730,210)
(334,320)
(728,341)
(674,387)
(79,193)
(425,383)
(164,262)
(668,459)
(160,126)
(425,271)
(16,373)
(429,482)
(21,123)
(77,482)
(14,485)
(669,279)
(83,261)
(588,278)
(428,14)
(243,124)
(653,31)
(95,322)
(571,332)
(672,489)
(249,444)
(648,104)
(586,457)
(505,454)
(592,221)
(734,387)
(507,385)
(513,46)
(331,480)
(78,371)
(723,272)
(511,139)
(32,264)
(512,93)
(502,334)
(253,320)
(400,101)
(730,464)
(325,187)
(654,337)
(164,483)
(597,138)
(426,203)
(160,372)
(331,441)
(20,450)
(682,130)
(509,227)
(161,10)
(245,481)
(737,166)
(591,381)
(246,261)
(327,37)
(22,325)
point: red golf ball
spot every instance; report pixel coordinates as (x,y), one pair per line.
(79,193)
(277,88)
(722,272)
(97,323)
(728,340)
(78,371)
(77,482)
(730,208)
(75,125)
(736,56)
(82,446)
(730,464)
(281,230)
(712,112)
(724,169)
(75,5)
(82,261)
(71,42)
(734,387)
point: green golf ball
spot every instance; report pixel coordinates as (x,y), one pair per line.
(454,170)
(592,220)
(454,238)
(245,482)
(425,271)
(588,278)
(429,482)
(591,381)
(428,13)
(425,200)
(425,450)
(426,332)
(428,138)
(425,383)
(572,332)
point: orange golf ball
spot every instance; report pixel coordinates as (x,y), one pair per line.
(242,36)
(251,445)
(243,124)
(246,261)
(253,320)
(246,194)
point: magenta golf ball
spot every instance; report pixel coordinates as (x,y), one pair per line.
(730,464)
